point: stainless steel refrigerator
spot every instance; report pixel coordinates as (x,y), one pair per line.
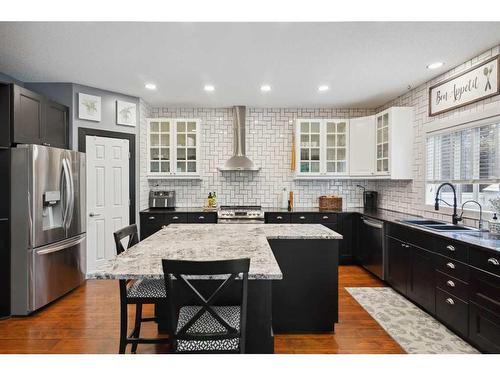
(48,225)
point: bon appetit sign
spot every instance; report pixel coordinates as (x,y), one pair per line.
(478,83)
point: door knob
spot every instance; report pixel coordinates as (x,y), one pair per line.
(92,214)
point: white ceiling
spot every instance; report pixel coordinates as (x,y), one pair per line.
(365,64)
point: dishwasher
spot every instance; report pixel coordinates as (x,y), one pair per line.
(372,253)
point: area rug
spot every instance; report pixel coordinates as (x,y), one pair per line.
(416,331)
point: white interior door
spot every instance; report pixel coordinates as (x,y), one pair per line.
(107,195)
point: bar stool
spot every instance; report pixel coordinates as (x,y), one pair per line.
(206,327)
(136,292)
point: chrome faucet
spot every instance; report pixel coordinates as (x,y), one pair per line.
(454,219)
(480,224)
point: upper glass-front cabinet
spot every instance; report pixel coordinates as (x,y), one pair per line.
(173,146)
(322,146)
(382,143)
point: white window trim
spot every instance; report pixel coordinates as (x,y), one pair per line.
(322,149)
(173,149)
(490,114)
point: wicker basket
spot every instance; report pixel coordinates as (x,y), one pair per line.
(330,203)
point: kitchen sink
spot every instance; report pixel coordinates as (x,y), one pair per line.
(450,228)
(439,226)
(423,222)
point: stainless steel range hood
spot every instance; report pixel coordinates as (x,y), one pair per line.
(239,161)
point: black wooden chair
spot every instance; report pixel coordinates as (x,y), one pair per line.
(207,327)
(136,292)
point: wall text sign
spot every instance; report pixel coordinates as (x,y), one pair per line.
(477,83)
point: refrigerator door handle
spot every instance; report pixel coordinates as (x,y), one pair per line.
(67,194)
(52,248)
(30,222)
(72,193)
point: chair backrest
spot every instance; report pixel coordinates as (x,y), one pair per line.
(179,269)
(130,232)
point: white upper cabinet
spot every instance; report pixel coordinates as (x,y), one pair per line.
(362,146)
(173,148)
(381,146)
(394,142)
(321,147)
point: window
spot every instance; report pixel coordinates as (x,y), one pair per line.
(468,158)
(322,147)
(173,146)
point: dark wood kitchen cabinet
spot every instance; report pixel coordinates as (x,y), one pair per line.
(398,264)
(55,126)
(421,278)
(30,118)
(153,220)
(484,319)
(27,116)
(277,218)
(347,227)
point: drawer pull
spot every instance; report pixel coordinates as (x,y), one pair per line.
(450,301)
(325,217)
(151,218)
(201,217)
(450,247)
(279,217)
(450,265)
(493,261)
(450,283)
(175,218)
(302,218)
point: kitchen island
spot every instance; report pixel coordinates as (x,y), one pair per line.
(282,258)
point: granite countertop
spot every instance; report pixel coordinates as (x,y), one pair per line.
(209,242)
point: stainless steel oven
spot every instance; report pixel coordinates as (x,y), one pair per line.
(240,215)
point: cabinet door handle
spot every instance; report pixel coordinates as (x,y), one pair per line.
(279,217)
(493,261)
(450,301)
(302,218)
(450,283)
(151,218)
(175,218)
(325,217)
(450,265)
(450,247)
(201,217)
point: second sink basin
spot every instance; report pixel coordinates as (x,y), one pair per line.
(449,228)
(424,222)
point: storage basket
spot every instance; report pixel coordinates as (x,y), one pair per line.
(330,203)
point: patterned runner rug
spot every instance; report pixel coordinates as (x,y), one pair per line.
(416,331)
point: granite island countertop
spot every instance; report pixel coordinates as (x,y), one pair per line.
(209,242)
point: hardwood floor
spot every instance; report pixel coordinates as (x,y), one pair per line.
(86,321)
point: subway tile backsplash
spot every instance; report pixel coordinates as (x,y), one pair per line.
(269,145)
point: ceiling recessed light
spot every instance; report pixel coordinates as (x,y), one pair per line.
(435,65)
(265,88)
(323,88)
(150,86)
(209,88)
